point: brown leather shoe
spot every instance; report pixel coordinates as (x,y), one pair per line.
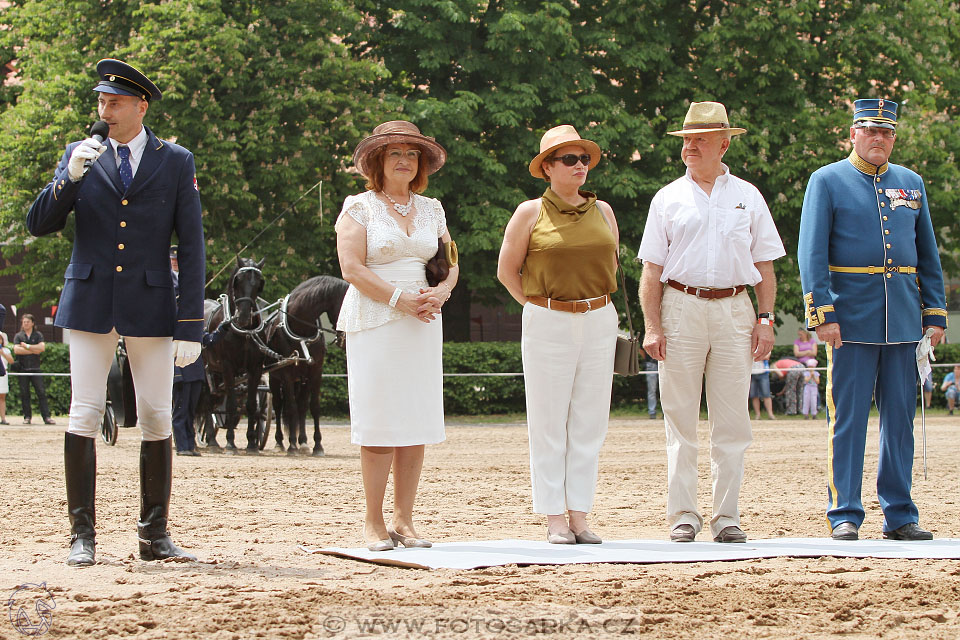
(683,533)
(732,533)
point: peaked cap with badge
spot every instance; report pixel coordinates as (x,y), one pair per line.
(119,274)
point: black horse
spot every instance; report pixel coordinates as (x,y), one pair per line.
(237,353)
(295,332)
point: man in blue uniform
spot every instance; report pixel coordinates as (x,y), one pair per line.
(128,194)
(872,285)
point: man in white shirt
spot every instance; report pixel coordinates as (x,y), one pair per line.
(708,236)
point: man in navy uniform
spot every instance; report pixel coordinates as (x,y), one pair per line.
(872,286)
(128,195)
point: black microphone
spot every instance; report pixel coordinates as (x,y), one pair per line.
(100,131)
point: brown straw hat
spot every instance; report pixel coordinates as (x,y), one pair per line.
(398,132)
(558,137)
(704,117)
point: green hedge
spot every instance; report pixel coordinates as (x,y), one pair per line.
(473,395)
(461,395)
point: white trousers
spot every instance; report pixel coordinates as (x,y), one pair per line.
(568,374)
(151,362)
(706,338)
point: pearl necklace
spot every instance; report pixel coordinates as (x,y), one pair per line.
(402,209)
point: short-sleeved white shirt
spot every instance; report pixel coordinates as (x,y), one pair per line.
(710,240)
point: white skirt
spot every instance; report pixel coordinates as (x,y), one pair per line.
(395,382)
(5,383)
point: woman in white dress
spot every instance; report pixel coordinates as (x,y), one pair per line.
(391,317)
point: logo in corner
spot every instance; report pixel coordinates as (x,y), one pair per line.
(30,609)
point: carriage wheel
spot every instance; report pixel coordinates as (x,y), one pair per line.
(108,427)
(265,418)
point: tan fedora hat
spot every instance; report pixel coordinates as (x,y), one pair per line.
(558,137)
(398,132)
(704,117)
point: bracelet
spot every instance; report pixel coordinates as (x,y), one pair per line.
(766,321)
(395,297)
(449,290)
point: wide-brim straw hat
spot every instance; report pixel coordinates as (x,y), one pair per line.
(704,117)
(398,132)
(562,136)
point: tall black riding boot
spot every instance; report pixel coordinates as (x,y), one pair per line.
(80,466)
(156,478)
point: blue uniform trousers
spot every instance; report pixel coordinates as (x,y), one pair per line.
(186,395)
(855,372)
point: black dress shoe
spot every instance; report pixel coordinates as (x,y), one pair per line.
(909,531)
(845,531)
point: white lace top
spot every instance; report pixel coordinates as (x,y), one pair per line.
(393,255)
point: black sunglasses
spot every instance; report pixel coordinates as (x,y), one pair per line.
(570,159)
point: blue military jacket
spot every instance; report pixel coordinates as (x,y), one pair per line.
(119,274)
(867,253)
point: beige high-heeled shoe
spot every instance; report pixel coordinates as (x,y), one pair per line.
(408,541)
(561,538)
(380,545)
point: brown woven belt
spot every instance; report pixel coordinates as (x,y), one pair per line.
(709,294)
(570,306)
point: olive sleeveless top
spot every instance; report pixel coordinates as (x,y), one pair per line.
(572,252)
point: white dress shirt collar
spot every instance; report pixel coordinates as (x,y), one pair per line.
(137,146)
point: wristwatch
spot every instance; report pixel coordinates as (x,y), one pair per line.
(766,315)
(765,318)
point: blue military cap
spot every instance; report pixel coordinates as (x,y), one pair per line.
(875,112)
(120,78)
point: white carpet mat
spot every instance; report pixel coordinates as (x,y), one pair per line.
(492,553)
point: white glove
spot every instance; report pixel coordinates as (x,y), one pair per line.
(925,355)
(185,353)
(90,150)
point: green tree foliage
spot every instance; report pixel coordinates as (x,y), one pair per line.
(265,95)
(488,78)
(272,97)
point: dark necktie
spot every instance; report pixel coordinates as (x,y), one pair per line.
(126,171)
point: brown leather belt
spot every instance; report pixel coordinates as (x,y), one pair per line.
(570,306)
(709,294)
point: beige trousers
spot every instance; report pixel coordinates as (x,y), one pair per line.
(706,339)
(568,375)
(151,362)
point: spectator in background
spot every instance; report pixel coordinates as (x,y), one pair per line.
(792,373)
(811,392)
(6,359)
(805,348)
(760,386)
(949,387)
(28,344)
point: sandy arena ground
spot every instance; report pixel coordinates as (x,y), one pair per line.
(245,515)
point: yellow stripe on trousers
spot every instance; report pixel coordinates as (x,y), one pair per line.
(831,423)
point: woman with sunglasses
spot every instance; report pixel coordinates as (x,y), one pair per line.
(392,321)
(559,260)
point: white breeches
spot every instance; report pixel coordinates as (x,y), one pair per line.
(151,362)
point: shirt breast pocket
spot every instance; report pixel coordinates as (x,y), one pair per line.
(735,225)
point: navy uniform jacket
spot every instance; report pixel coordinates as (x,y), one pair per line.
(119,274)
(856,215)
